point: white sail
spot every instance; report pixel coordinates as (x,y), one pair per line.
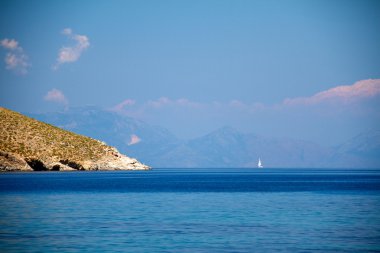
(259,165)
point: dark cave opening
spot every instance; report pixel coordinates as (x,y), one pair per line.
(36,164)
(72,164)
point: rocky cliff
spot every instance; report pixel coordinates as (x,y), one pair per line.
(30,145)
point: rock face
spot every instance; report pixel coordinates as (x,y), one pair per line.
(30,145)
(12,162)
(113,161)
(116,162)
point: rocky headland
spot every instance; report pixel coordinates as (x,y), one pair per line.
(27,144)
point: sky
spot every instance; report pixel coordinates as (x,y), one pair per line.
(307,69)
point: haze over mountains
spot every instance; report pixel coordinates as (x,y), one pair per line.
(224,147)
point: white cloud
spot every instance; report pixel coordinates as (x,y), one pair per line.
(72,54)
(67,31)
(184,103)
(325,101)
(56,96)
(165,101)
(162,101)
(120,107)
(134,140)
(187,103)
(9,44)
(345,93)
(15,60)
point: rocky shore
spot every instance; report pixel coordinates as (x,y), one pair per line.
(115,161)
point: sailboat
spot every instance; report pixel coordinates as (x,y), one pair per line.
(259,164)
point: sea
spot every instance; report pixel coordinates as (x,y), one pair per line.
(191,210)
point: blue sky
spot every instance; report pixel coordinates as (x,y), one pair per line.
(193,66)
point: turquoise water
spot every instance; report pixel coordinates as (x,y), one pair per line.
(191,211)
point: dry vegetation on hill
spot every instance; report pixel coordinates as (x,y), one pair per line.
(33,141)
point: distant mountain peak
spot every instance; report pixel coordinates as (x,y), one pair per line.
(225,131)
(364,144)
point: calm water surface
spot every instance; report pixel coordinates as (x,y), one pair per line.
(178,210)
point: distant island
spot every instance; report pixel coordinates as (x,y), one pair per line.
(27,144)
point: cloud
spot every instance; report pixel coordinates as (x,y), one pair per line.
(325,102)
(67,31)
(120,107)
(9,44)
(56,96)
(72,54)
(165,101)
(345,93)
(162,101)
(15,59)
(132,108)
(188,103)
(134,140)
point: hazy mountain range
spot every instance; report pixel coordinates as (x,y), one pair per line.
(224,147)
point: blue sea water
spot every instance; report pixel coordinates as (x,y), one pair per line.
(197,210)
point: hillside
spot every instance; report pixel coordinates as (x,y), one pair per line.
(28,144)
